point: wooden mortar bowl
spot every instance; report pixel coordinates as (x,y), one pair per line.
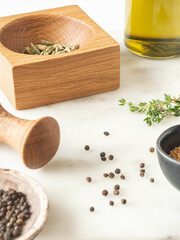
(58,29)
(30,80)
(36,198)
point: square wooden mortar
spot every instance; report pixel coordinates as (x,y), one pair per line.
(30,80)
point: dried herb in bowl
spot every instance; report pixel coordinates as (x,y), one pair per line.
(48,48)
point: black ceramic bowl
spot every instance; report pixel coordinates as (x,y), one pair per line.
(170,166)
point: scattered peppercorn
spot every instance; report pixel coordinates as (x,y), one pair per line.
(105,175)
(111,157)
(122,177)
(117,171)
(142,170)
(152,180)
(87,147)
(117,187)
(151,149)
(91,209)
(88,179)
(123,201)
(104,192)
(142,165)
(111,203)
(102,154)
(141,174)
(106,133)
(111,175)
(103,158)
(116,192)
(14,210)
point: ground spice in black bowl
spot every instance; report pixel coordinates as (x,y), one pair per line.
(175,153)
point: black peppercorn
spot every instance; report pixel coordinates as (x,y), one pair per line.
(9,203)
(111,157)
(103,158)
(117,171)
(86,147)
(111,175)
(104,192)
(141,174)
(141,165)
(102,154)
(26,211)
(1,192)
(88,179)
(106,133)
(105,175)
(152,180)
(19,221)
(116,192)
(123,201)
(117,187)
(7,235)
(111,203)
(9,207)
(91,209)
(122,177)
(151,149)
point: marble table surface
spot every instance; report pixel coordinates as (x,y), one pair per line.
(152,211)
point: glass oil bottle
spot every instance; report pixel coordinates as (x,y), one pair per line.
(153,27)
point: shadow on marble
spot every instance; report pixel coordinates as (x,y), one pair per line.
(61,164)
(170,238)
(59,222)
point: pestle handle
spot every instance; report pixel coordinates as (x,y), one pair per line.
(13,129)
(37,141)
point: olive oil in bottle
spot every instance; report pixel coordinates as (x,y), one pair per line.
(153,27)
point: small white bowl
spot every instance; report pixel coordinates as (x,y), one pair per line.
(36,197)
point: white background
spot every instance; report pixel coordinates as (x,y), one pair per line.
(152,211)
(109,14)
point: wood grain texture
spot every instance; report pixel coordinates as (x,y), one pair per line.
(36,197)
(37,141)
(38,80)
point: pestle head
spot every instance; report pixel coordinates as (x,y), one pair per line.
(41,142)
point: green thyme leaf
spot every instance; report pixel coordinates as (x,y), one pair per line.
(122,102)
(156,110)
(142,104)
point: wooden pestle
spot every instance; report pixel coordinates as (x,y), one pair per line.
(37,141)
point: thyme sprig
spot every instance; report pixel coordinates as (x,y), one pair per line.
(156,110)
